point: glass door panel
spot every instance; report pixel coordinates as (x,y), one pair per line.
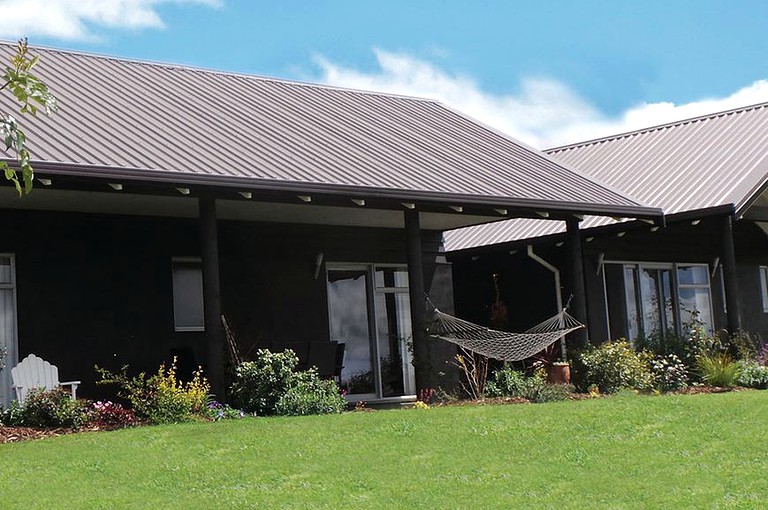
(393,329)
(649,301)
(633,312)
(348,312)
(657,301)
(668,302)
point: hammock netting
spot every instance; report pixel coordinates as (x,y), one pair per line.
(502,345)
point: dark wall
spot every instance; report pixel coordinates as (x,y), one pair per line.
(751,245)
(97,289)
(526,288)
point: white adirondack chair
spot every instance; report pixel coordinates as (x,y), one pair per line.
(33,372)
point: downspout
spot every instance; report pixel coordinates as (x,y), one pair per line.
(558,292)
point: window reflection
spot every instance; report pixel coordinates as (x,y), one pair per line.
(347,301)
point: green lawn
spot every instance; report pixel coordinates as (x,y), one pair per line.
(702,451)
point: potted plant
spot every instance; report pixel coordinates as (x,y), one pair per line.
(558,369)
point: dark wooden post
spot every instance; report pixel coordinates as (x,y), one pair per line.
(422,361)
(576,281)
(729,276)
(212,296)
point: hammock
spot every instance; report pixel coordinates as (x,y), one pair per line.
(502,345)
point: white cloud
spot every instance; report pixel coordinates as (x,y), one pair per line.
(73,19)
(543,113)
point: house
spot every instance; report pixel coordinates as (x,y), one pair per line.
(310,216)
(709,174)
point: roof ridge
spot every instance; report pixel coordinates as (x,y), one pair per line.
(675,123)
(219,72)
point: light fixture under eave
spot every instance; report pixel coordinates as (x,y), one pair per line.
(621,234)
(183,191)
(305,198)
(408,205)
(543,214)
(457,208)
(654,229)
(358,201)
(559,244)
(116,186)
(695,222)
(589,239)
(245,194)
(45,182)
(503,212)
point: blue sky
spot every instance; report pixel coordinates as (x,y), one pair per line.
(547,72)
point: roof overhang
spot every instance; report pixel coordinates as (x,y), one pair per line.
(441,211)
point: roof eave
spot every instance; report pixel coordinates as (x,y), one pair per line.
(186,178)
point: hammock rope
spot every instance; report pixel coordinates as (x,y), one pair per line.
(502,345)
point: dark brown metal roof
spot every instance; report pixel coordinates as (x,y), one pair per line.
(144,121)
(715,160)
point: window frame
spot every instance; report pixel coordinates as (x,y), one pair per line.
(675,289)
(370,269)
(763,273)
(13,355)
(187,260)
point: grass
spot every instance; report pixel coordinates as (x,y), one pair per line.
(700,451)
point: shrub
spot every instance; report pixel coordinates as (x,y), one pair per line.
(216,411)
(613,366)
(669,373)
(268,385)
(47,409)
(308,394)
(162,397)
(507,382)
(106,414)
(3,354)
(718,369)
(666,344)
(260,383)
(753,375)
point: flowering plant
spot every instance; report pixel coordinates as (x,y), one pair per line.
(669,373)
(107,414)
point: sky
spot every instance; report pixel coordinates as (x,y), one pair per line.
(545,72)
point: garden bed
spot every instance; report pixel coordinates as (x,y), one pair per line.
(17,434)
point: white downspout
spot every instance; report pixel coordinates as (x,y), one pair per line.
(558,292)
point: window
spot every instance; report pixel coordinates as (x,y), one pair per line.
(187,295)
(7,324)
(764,287)
(658,299)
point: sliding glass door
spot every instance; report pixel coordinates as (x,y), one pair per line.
(369,312)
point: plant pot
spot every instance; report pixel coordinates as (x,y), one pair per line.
(559,374)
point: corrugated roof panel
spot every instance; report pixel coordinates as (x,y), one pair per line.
(143,118)
(709,161)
